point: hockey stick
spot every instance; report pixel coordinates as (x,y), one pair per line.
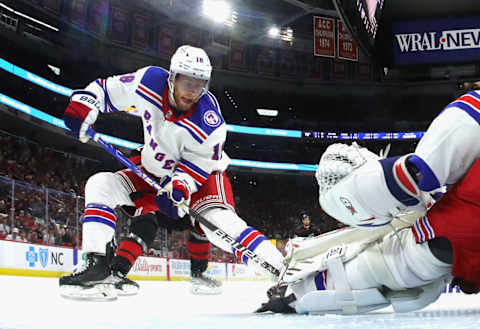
(209,225)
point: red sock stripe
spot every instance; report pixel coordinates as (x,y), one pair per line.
(127,255)
(198,250)
(130,250)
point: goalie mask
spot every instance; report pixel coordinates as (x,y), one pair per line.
(192,62)
(353,187)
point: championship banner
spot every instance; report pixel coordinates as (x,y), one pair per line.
(238,56)
(347,48)
(52,5)
(437,41)
(119,25)
(166,40)
(192,37)
(266,61)
(98,16)
(78,14)
(323,36)
(141,24)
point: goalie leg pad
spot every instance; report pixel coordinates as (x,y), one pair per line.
(331,302)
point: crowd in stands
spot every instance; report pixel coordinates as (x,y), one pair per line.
(41,189)
(41,198)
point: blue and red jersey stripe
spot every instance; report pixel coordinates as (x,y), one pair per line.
(100,214)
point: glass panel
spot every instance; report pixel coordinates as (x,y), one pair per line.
(30,211)
(5,206)
(61,226)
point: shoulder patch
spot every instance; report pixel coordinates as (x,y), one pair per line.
(211,118)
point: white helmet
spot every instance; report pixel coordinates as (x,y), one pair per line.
(192,62)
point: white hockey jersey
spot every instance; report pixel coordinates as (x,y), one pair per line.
(450,145)
(189,146)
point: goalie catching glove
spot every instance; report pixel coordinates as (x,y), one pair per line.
(359,188)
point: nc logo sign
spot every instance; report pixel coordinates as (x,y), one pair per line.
(43,256)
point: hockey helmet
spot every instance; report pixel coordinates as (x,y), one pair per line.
(192,62)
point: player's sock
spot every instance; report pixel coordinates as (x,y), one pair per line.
(199,249)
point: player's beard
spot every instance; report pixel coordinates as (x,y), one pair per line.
(184,103)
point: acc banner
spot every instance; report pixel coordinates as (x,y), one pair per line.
(53,5)
(238,56)
(437,41)
(347,48)
(78,14)
(323,36)
(98,16)
(141,24)
(119,25)
(166,39)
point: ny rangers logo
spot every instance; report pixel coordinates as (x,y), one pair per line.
(348,205)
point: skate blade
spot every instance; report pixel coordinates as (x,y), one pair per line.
(127,290)
(97,293)
(206,290)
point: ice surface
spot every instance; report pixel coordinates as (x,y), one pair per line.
(34,303)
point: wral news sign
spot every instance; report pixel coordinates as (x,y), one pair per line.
(437,41)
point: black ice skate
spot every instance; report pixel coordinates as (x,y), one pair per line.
(202,284)
(95,270)
(123,285)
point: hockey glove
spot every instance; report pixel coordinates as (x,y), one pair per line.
(78,117)
(175,194)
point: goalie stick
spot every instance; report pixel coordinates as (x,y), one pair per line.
(209,225)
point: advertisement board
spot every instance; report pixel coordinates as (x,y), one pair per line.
(437,41)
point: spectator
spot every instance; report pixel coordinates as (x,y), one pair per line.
(4,227)
(306,229)
(14,236)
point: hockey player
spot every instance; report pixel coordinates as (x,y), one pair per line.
(184,134)
(365,191)
(371,193)
(407,269)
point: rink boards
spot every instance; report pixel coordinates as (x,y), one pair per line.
(26,259)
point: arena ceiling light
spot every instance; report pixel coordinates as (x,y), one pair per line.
(273,32)
(217,10)
(267,112)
